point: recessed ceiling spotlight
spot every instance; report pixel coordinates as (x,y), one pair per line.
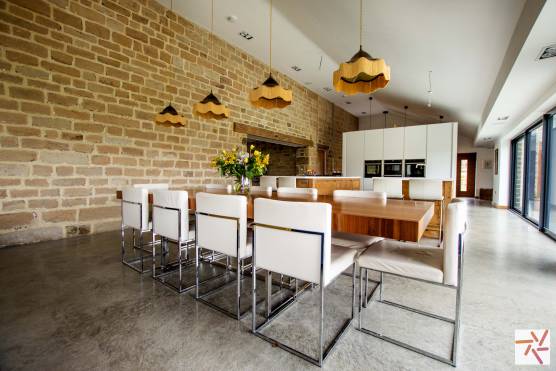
(363,113)
(503,118)
(296,69)
(327,89)
(231,18)
(348,102)
(245,35)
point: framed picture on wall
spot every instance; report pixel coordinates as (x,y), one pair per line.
(487,164)
(496,161)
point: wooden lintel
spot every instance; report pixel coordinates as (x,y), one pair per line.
(271,135)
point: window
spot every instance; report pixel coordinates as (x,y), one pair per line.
(533,182)
(463,176)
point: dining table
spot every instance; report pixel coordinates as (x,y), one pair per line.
(404,220)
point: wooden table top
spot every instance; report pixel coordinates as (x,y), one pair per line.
(390,218)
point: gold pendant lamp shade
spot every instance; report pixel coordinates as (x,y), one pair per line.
(210,107)
(169,117)
(270,94)
(362,73)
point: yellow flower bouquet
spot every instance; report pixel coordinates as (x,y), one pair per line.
(241,165)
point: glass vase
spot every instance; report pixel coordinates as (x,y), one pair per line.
(243,184)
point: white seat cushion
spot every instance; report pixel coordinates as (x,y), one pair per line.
(341,258)
(354,240)
(405,260)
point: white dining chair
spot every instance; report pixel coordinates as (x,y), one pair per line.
(223,187)
(151,186)
(135,215)
(269,181)
(221,226)
(287,181)
(391,186)
(170,221)
(261,190)
(429,190)
(432,265)
(294,239)
(288,191)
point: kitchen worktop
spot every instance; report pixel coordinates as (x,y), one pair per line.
(326,177)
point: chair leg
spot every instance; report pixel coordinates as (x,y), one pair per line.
(179,263)
(196,270)
(123,243)
(381,288)
(366,287)
(321,325)
(238,292)
(154,256)
(268,293)
(352,290)
(141,250)
(360,296)
(440,226)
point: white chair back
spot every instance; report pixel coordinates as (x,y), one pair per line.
(269,181)
(289,252)
(455,224)
(287,181)
(151,186)
(261,190)
(339,193)
(226,187)
(220,220)
(171,214)
(392,187)
(425,189)
(135,208)
(285,191)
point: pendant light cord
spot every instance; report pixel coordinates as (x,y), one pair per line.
(270,42)
(360,24)
(211,51)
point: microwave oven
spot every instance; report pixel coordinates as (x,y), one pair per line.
(393,168)
(373,168)
(415,168)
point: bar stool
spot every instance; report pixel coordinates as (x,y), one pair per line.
(135,214)
(287,181)
(391,186)
(429,190)
(269,181)
(430,265)
(294,239)
(170,221)
(222,227)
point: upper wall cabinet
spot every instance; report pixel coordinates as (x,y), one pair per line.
(394,141)
(415,142)
(353,153)
(440,150)
(374,140)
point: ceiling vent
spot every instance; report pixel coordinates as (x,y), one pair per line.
(246,35)
(296,69)
(547,52)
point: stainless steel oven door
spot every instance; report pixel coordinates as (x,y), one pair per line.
(393,168)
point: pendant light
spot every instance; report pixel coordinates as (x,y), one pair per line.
(210,107)
(169,116)
(362,73)
(270,94)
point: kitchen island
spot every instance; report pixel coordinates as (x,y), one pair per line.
(327,184)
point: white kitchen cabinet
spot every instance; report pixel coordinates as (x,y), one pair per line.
(353,151)
(393,143)
(440,150)
(415,142)
(374,140)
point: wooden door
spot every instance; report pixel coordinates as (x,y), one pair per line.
(465,179)
(322,162)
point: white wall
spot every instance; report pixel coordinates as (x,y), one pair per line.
(483,177)
(501,193)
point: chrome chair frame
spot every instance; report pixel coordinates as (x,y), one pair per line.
(271,315)
(129,263)
(452,361)
(170,267)
(239,271)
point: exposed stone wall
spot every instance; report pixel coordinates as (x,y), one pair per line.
(80,82)
(282,158)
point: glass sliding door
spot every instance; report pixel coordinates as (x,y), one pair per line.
(534,174)
(550,223)
(518,171)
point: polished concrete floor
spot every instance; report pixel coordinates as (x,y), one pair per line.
(71,305)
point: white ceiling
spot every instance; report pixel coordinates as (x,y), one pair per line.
(462,41)
(529,89)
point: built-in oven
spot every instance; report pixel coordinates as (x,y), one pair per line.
(393,168)
(373,168)
(415,168)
